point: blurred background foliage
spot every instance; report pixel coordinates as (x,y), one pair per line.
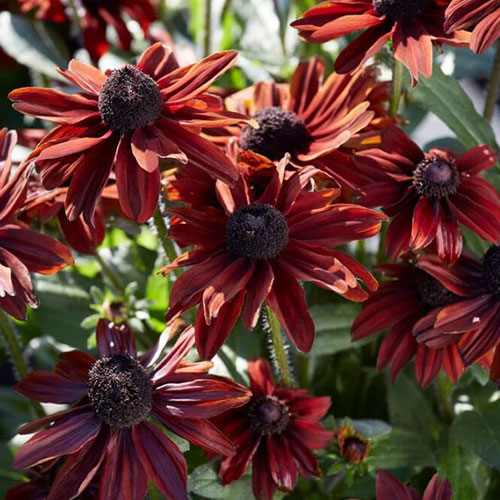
(452,428)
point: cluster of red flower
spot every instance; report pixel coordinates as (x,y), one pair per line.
(256,179)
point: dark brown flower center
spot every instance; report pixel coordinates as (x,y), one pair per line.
(129,99)
(279,132)
(491,271)
(257,231)
(120,391)
(400,9)
(117,311)
(433,293)
(436,178)
(268,415)
(353,449)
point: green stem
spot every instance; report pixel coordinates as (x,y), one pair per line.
(165,241)
(207,40)
(13,347)
(279,350)
(225,8)
(110,274)
(397,87)
(382,253)
(443,395)
(494,85)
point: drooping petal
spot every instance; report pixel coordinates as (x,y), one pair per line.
(199,432)
(209,338)
(288,302)
(199,396)
(138,189)
(77,472)
(163,462)
(233,468)
(39,252)
(123,476)
(50,387)
(64,438)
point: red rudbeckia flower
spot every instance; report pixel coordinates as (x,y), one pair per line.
(391,488)
(474,321)
(413,26)
(109,426)
(430,194)
(128,119)
(311,118)
(258,240)
(483,15)
(276,431)
(21,250)
(399,304)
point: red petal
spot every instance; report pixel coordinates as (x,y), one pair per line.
(200,433)
(162,460)
(138,189)
(49,387)
(288,302)
(261,379)
(209,338)
(114,339)
(123,476)
(199,396)
(77,472)
(390,488)
(64,438)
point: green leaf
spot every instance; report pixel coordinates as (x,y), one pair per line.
(443,96)
(333,328)
(64,304)
(31,43)
(204,482)
(478,430)
(409,409)
(402,448)
(372,428)
(454,464)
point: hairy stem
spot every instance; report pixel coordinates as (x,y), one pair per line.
(397,88)
(493,87)
(278,348)
(13,347)
(165,241)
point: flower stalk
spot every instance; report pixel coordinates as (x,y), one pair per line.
(397,88)
(207,37)
(13,347)
(493,87)
(162,230)
(278,348)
